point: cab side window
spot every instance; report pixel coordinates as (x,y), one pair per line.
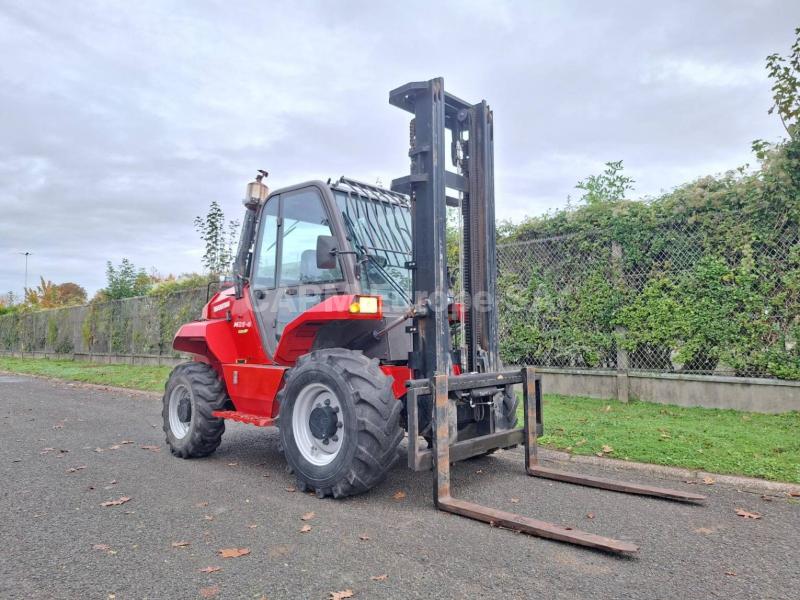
(266,261)
(304,219)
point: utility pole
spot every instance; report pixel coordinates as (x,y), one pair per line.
(26,255)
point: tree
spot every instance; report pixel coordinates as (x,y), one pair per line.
(785,74)
(124,281)
(50,295)
(609,186)
(218,238)
(70,293)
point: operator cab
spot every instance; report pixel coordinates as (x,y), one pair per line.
(310,241)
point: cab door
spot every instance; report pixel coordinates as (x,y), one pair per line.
(285,280)
(301,284)
(264,270)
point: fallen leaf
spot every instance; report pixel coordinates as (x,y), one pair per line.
(291,488)
(101,547)
(590,515)
(115,447)
(305,528)
(210,569)
(233,552)
(116,502)
(151,448)
(709,480)
(307,517)
(731,573)
(208,517)
(479,471)
(253,526)
(127,442)
(746,514)
(201,504)
(794,494)
(766,498)
(704,530)
(515,501)
(76,469)
(265,475)
(363,537)
(98,450)
(607,449)
(600,454)
(233,464)
(398,495)
(341,595)
(112,482)
(383,577)
(607,408)
(210,592)
(180,544)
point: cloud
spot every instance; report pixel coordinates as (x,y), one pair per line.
(119,122)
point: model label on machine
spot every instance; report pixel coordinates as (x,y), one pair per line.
(240,324)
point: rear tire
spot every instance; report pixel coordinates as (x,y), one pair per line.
(339,393)
(192,392)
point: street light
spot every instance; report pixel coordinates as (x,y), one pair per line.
(26,255)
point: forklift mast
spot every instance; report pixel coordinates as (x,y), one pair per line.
(471,153)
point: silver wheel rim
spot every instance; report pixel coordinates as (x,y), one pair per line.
(316,450)
(179,427)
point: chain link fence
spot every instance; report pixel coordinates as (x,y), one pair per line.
(667,301)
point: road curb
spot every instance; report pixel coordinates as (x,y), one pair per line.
(671,473)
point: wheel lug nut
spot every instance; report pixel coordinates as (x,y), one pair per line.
(335,438)
(327,402)
(336,409)
(326,441)
(339,425)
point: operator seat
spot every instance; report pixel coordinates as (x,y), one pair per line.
(308,267)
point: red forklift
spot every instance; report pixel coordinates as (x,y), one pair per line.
(342,329)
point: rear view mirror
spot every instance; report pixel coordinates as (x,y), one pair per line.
(326,252)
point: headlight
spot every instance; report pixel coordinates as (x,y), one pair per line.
(369,305)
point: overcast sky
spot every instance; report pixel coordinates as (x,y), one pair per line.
(121,121)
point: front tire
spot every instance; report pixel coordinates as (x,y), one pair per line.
(193,391)
(339,422)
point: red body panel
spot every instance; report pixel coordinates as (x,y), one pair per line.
(298,336)
(399,374)
(253,388)
(228,335)
(230,341)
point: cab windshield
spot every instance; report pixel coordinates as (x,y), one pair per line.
(379,226)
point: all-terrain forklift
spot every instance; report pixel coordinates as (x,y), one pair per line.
(341,328)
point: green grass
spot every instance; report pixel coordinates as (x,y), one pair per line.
(137,377)
(718,441)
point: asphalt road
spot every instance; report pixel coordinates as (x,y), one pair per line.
(59,542)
